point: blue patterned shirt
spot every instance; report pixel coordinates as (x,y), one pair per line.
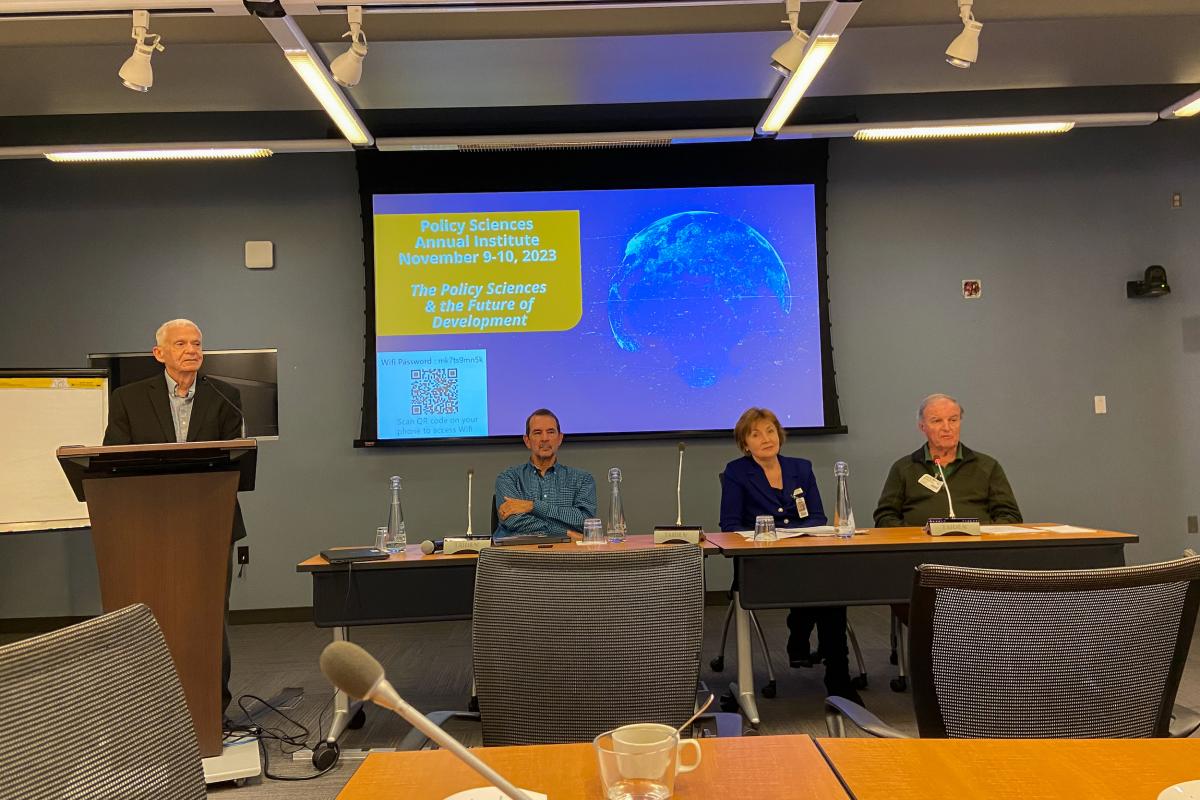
(562,499)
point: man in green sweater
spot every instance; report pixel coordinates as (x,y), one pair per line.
(913,491)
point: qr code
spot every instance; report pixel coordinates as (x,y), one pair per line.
(434,391)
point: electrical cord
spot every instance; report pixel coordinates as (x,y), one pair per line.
(289,743)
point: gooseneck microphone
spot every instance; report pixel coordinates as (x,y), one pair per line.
(470,480)
(241,414)
(946,484)
(354,671)
(679,488)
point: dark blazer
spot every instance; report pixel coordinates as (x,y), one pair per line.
(745,494)
(140,413)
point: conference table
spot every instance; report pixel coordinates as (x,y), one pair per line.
(412,587)
(750,768)
(875,567)
(776,767)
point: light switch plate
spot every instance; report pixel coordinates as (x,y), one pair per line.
(1101,403)
(260,255)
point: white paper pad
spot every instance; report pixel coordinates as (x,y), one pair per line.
(1064,529)
(1002,529)
(792,533)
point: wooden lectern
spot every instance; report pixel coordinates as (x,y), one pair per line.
(162,521)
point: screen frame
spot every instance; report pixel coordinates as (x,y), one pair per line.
(764,162)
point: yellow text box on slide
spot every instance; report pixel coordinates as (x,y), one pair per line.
(477,272)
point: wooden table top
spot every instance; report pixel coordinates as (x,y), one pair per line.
(1028,769)
(750,768)
(734,544)
(413,557)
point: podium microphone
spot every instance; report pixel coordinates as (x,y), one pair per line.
(470,480)
(213,385)
(679,488)
(354,671)
(940,526)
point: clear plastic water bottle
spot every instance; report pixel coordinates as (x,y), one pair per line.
(616,511)
(843,513)
(397,539)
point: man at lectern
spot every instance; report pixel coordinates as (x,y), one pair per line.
(542,495)
(913,490)
(176,407)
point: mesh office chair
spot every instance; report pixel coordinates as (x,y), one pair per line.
(568,645)
(1046,654)
(95,710)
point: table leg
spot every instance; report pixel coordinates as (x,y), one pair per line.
(743,688)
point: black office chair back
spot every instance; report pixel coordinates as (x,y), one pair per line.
(495,516)
(568,645)
(95,710)
(1050,654)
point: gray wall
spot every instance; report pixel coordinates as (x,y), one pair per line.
(93,258)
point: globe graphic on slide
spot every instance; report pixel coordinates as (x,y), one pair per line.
(691,287)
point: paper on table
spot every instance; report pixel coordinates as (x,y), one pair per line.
(792,533)
(1002,529)
(1065,529)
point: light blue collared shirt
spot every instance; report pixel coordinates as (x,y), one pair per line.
(181,407)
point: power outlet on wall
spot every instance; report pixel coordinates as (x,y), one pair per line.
(1193,524)
(243,554)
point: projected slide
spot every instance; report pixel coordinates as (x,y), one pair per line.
(624,311)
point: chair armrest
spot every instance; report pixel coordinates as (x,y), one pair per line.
(837,708)
(1184,722)
(415,740)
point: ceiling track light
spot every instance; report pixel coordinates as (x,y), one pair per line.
(964,50)
(815,52)
(136,73)
(347,68)
(787,56)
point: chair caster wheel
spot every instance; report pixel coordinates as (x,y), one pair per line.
(899,684)
(473,704)
(768,690)
(728,702)
(893,659)
(717,663)
(325,755)
(358,720)
(859,681)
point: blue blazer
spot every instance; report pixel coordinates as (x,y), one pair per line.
(745,494)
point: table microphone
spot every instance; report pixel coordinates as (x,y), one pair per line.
(431,546)
(213,385)
(940,526)
(679,488)
(470,480)
(354,671)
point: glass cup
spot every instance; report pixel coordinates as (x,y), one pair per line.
(640,762)
(764,529)
(593,531)
(381,538)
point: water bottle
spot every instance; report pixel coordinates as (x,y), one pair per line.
(843,513)
(616,511)
(396,539)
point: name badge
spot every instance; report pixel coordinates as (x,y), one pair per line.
(801,504)
(931,483)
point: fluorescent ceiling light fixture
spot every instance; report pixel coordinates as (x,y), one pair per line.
(312,70)
(137,73)
(1187,107)
(156,154)
(962,131)
(347,68)
(825,36)
(964,50)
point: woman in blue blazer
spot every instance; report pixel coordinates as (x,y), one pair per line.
(765,482)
